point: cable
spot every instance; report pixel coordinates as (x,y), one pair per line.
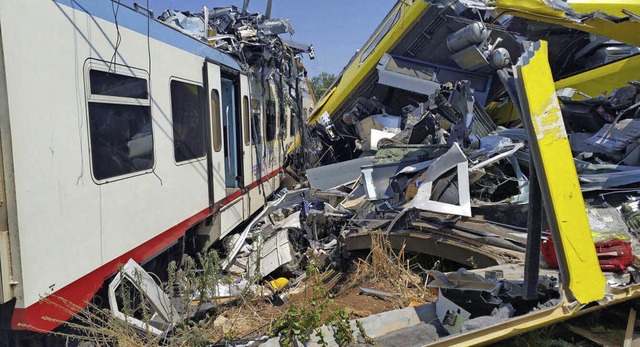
(115,11)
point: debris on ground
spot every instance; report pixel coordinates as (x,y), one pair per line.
(417,204)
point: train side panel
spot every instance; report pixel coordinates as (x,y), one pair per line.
(76,227)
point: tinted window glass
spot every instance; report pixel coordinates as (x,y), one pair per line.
(389,21)
(105,83)
(188,121)
(121,139)
(255,123)
(271,120)
(215,121)
(246,120)
(293,120)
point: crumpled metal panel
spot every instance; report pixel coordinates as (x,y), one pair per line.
(562,196)
(604,19)
(454,158)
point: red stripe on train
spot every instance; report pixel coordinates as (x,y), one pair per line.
(46,315)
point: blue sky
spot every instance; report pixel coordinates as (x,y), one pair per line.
(335,28)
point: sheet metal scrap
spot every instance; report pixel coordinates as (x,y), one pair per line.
(252,38)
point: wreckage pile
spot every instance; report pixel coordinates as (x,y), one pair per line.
(439,180)
(435,177)
(252,38)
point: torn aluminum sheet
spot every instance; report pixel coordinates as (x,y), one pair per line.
(292,221)
(497,316)
(270,255)
(616,137)
(379,122)
(164,314)
(333,175)
(276,27)
(190,25)
(376,136)
(289,199)
(509,150)
(450,315)
(454,158)
(606,223)
(602,180)
(407,75)
(388,162)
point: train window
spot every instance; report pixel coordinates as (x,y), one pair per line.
(255,122)
(293,120)
(246,120)
(120,128)
(215,121)
(121,139)
(188,121)
(381,31)
(305,114)
(282,122)
(111,84)
(271,120)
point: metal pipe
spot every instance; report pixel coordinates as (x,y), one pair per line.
(534,233)
(245,6)
(205,11)
(267,13)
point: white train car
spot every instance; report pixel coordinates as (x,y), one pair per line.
(120,138)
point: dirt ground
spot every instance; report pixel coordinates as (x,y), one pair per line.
(255,317)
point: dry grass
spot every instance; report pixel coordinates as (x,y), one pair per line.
(389,271)
(97,326)
(383,269)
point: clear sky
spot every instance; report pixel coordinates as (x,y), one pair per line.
(336,28)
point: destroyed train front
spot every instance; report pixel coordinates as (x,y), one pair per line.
(500,140)
(503,136)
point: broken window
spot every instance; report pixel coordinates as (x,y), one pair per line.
(255,115)
(119,124)
(215,121)
(271,120)
(293,120)
(188,121)
(246,120)
(382,31)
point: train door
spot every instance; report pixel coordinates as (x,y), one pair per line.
(232,133)
(217,162)
(246,132)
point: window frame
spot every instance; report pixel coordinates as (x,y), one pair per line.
(246,120)
(125,70)
(391,19)
(204,121)
(293,120)
(260,124)
(216,121)
(268,117)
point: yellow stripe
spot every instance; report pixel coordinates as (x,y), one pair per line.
(356,72)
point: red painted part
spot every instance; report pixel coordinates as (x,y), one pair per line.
(613,255)
(244,190)
(60,306)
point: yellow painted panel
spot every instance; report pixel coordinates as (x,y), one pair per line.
(550,149)
(625,31)
(356,71)
(612,8)
(605,78)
